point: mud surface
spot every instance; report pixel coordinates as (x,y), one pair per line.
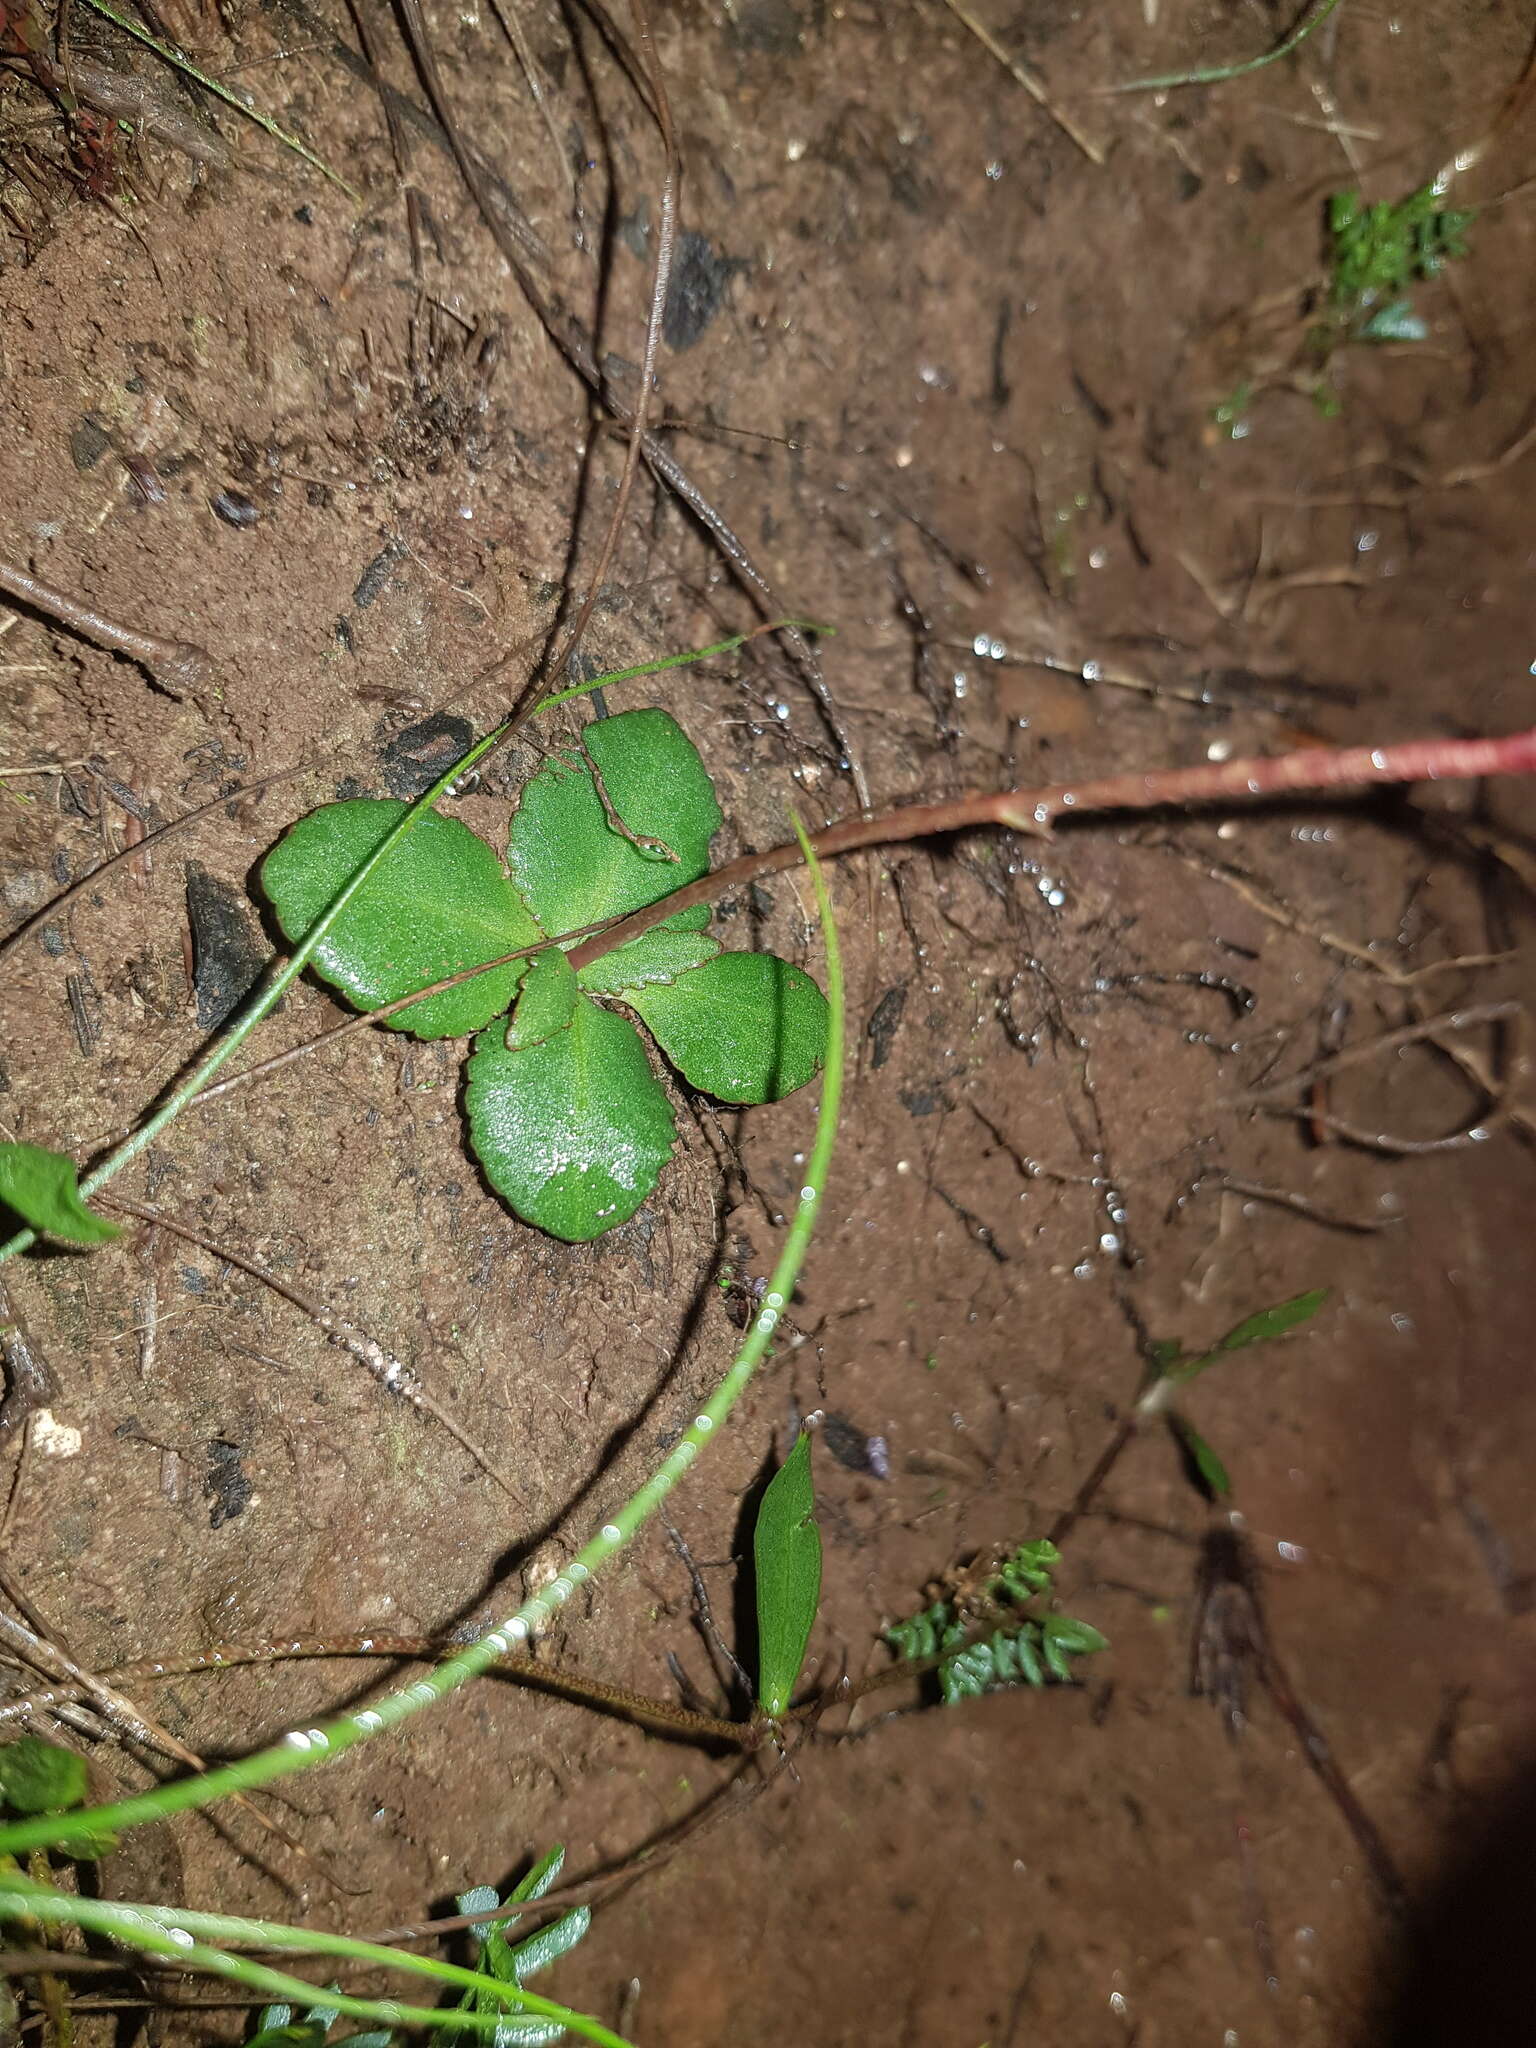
(952,382)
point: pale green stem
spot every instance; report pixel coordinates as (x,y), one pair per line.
(171,1933)
(265,997)
(1218,74)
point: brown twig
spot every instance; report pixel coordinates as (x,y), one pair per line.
(1387,1041)
(659,1715)
(1021,74)
(569,337)
(1037,810)
(46,1650)
(177,666)
(661,279)
(55,904)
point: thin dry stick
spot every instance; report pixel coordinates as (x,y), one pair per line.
(47,1654)
(392,1373)
(1218,74)
(568,336)
(1036,810)
(512,27)
(176,665)
(1490,1119)
(661,279)
(598,1693)
(52,908)
(1387,1041)
(1022,75)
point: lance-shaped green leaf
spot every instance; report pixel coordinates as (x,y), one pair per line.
(1203,1467)
(572,1133)
(1262,1328)
(546,1000)
(435,905)
(42,1189)
(577,858)
(746,1027)
(786,1552)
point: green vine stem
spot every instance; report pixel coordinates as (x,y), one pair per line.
(171,1933)
(304,1747)
(1218,74)
(222,92)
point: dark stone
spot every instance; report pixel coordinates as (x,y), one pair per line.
(772,25)
(415,758)
(376,575)
(696,291)
(235,509)
(924,1101)
(885,1021)
(850,1446)
(88,442)
(228,953)
(226,1486)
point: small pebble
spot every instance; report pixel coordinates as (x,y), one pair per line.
(235,509)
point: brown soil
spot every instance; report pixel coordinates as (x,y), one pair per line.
(984,367)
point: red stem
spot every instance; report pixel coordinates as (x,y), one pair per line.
(1036,810)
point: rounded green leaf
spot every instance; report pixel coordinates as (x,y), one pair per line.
(546,1000)
(786,1556)
(746,1027)
(567,855)
(571,1133)
(437,904)
(40,1777)
(40,1186)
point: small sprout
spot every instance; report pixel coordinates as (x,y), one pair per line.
(1231,412)
(1375,254)
(1172,1368)
(1026,1649)
(514,1964)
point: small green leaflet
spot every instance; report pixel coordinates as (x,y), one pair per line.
(515,1965)
(747,1027)
(572,1132)
(567,1118)
(436,905)
(571,864)
(786,1551)
(546,1000)
(40,1777)
(659,955)
(42,1189)
(1261,1328)
(278,2029)
(1210,1475)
